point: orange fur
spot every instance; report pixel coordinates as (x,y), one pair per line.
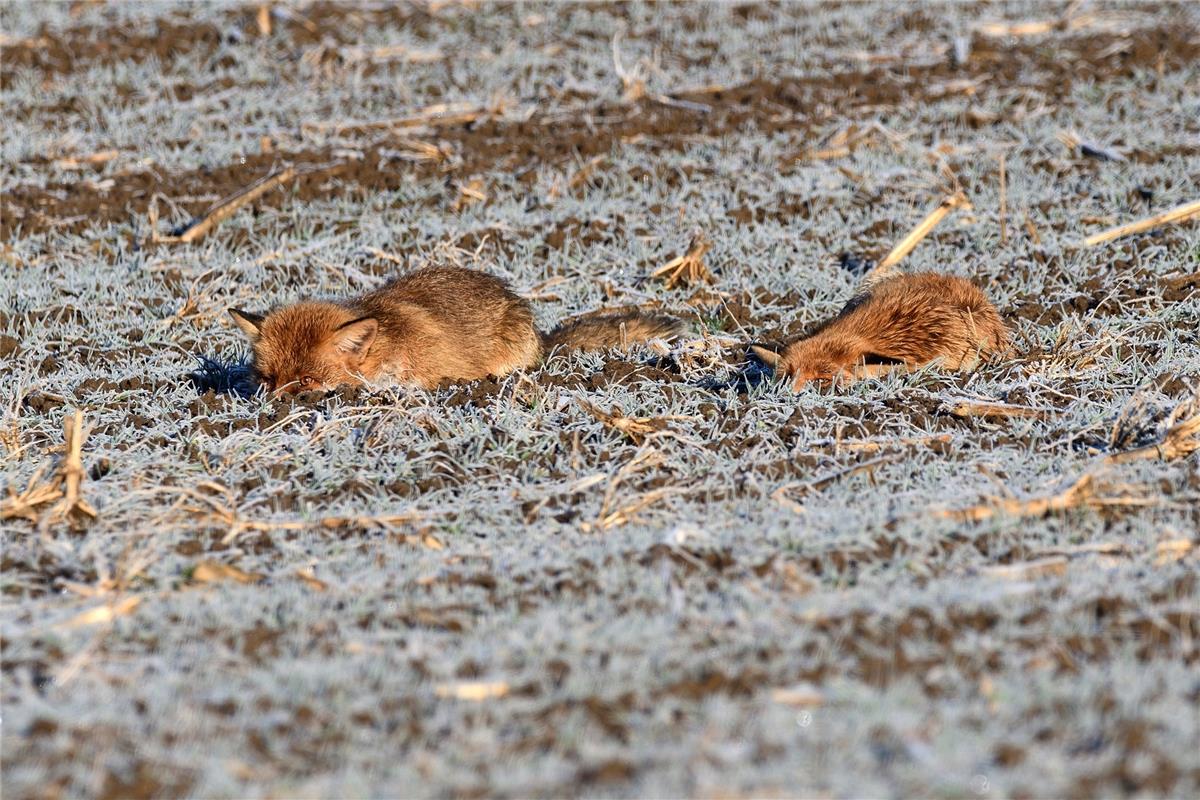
(903,322)
(421,328)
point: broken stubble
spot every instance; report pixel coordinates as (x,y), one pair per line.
(688,268)
(1180,213)
(887,267)
(227,208)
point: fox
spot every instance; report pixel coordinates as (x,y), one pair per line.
(900,323)
(421,328)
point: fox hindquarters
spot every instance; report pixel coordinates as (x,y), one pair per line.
(900,323)
(421,328)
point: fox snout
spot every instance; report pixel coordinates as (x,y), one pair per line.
(277,388)
(802,374)
(801,368)
(801,378)
(293,387)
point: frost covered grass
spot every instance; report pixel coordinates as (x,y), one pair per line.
(489,590)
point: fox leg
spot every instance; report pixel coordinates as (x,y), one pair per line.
(522,353)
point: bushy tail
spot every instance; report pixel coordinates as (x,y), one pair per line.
(603,329)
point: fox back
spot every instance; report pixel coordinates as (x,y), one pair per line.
(449,322)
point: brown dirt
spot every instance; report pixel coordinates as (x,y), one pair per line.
(518,147)
(51,52)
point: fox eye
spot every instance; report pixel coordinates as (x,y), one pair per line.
(307,380)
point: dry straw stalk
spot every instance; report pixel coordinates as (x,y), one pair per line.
(73,504)
(1177,214)
(1181,440)
(227,208)
(472,690)
(263,19)
(970,408)
(25,504)
(106,613)
(636,428)
(1028,570)
(1080,494)
(92,159)
(688,268)
(216,572)
(886,267)
(438,114)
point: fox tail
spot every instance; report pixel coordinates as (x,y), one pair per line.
(604,329)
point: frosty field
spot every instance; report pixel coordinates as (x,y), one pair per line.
(655,573)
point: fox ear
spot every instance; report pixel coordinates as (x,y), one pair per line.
(251,324)
(356,336)
(768,357)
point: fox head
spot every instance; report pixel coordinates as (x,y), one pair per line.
(818,359)
(307,346)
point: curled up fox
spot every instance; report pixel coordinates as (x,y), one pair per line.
(418,329)
(898,323)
